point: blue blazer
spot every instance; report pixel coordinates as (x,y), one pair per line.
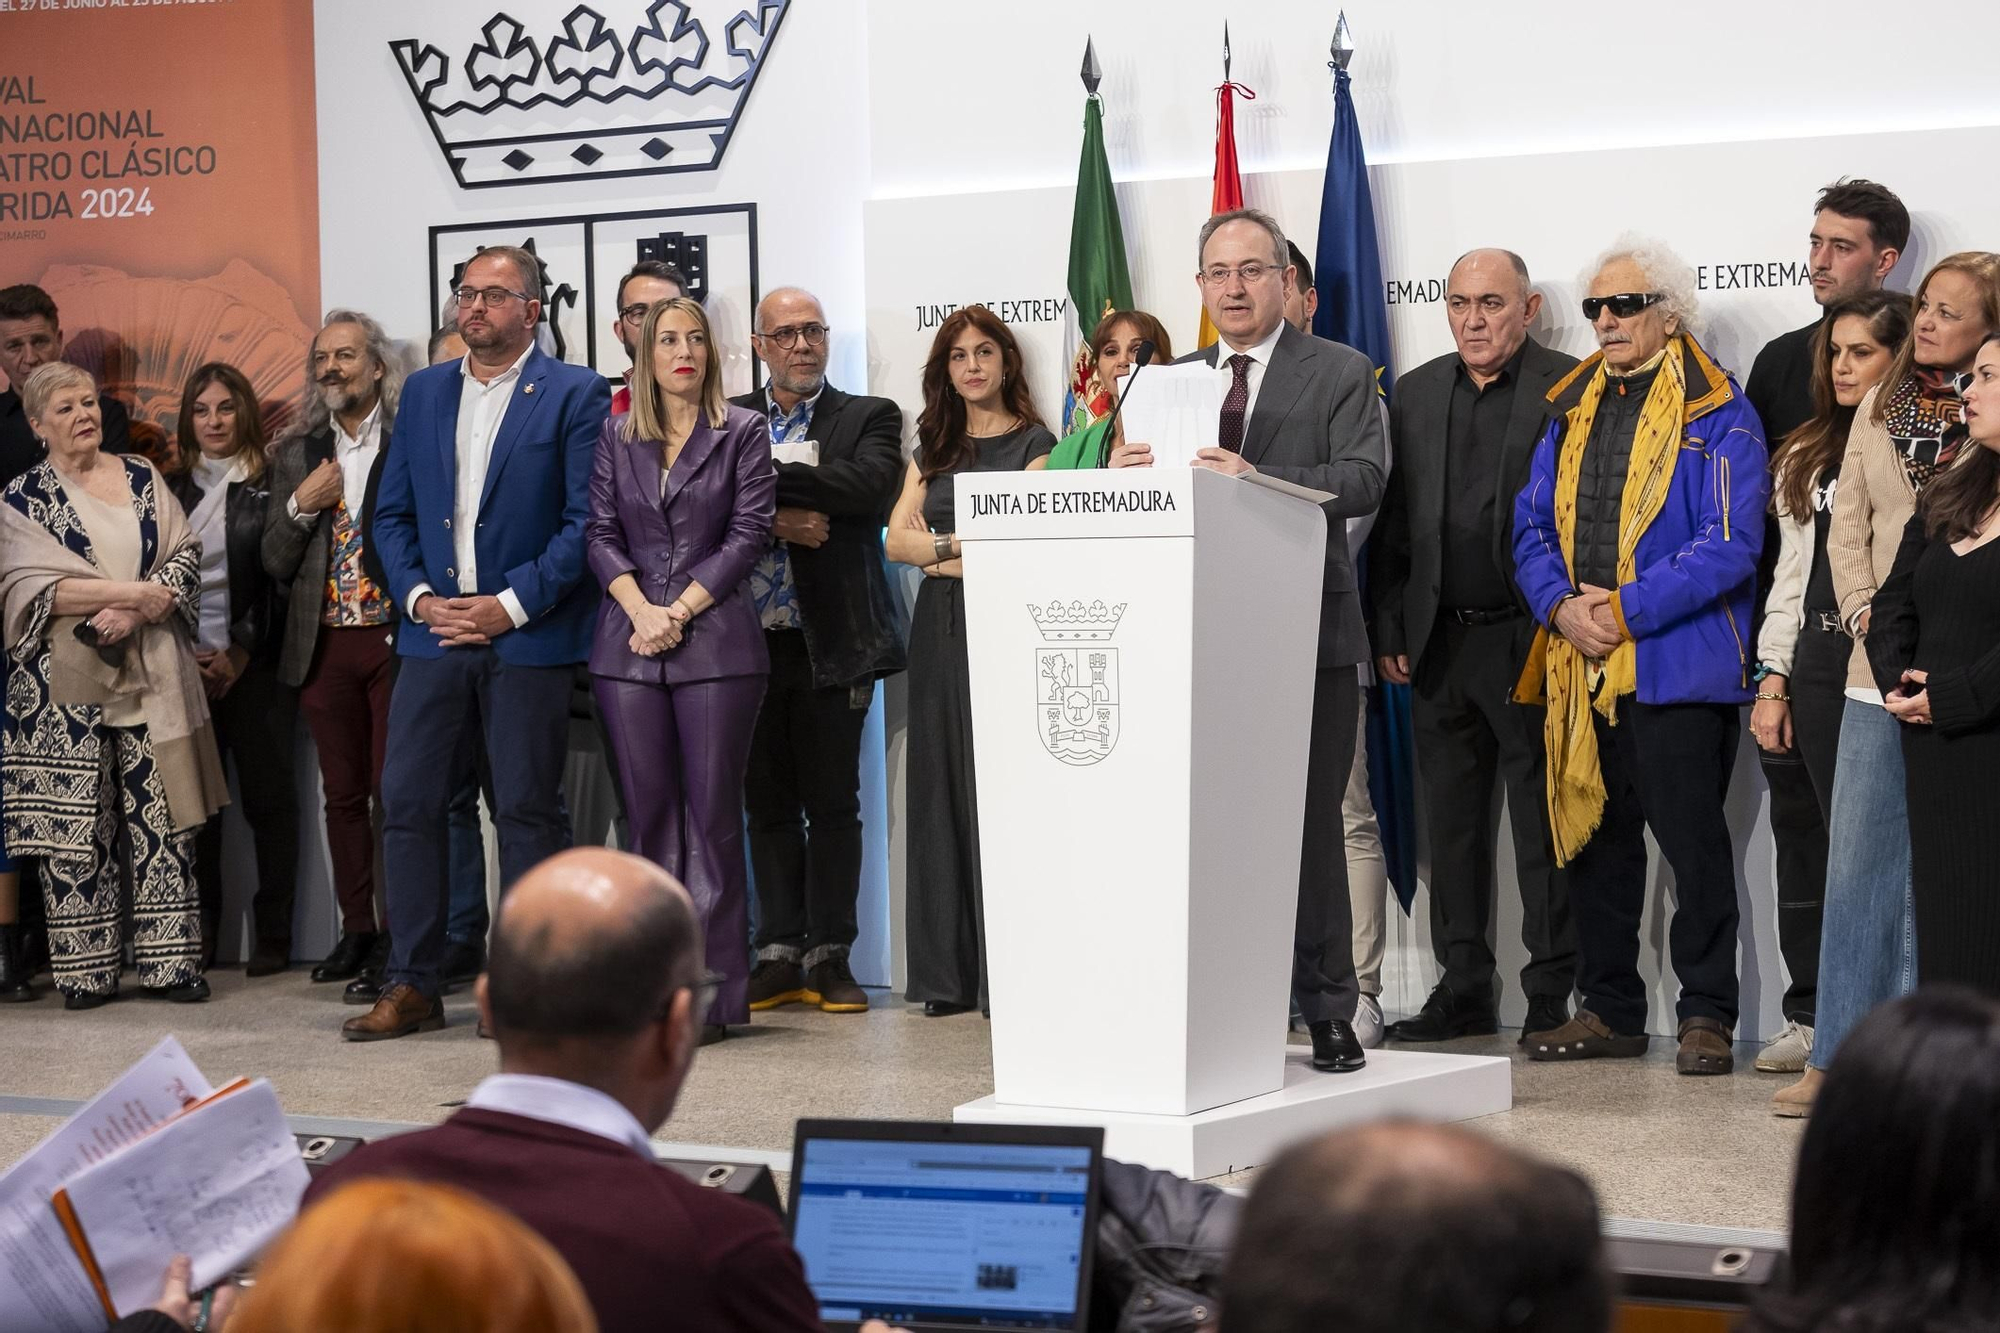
(710,528)
(531,514)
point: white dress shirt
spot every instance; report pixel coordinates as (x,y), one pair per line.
(560,1102)
(1260,361)
(481,409)
(356,455)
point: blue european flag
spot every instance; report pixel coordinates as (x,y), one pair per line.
(1347,271)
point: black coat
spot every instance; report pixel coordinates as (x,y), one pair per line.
(1407,549)
(854,625)
(256,616)
(296,554)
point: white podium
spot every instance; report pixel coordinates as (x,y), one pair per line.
(1142,650)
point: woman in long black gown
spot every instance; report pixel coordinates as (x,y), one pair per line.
(978,417)
(1935,649)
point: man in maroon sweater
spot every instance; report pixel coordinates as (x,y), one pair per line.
(595,991)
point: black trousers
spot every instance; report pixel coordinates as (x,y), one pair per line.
(1666,768)
(1323,982)
(802,794)
(254,725)
(1800,781)
(1470,735)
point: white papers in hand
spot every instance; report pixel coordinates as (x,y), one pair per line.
(43,1286)
(1176,409)
(216,1185)
(800,451)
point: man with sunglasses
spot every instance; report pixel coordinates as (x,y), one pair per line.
(1635,544)
(595,995)
(479,528)
(833,629)
(645,285)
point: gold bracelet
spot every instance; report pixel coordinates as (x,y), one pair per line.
(1775,698)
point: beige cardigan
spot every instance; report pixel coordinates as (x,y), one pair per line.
(1871,507)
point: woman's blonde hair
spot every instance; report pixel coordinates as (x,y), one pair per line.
(46,381)
(461,1266)
(1982,268)
(648,418)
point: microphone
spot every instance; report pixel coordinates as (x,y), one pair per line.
(1142,355)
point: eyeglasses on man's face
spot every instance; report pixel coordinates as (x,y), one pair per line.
(789,336)
(492,297)
(1624,304)
(1217,275)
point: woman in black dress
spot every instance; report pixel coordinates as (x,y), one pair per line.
(978,417)
(1935,649)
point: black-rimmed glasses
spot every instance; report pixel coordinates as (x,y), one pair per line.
(789,336)
(494,297)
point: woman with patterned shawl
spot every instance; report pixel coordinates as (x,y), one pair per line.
(109,765)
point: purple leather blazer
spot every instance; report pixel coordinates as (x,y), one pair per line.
(711,528)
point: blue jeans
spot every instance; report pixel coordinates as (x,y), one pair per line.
(1868,942)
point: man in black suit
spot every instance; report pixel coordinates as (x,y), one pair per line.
(30,335)
(833,629)
(1858,234)
(1303,410)
(1450,623)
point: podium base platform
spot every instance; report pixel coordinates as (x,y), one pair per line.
(1249,1133)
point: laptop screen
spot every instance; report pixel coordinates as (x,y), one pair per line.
(942,1232)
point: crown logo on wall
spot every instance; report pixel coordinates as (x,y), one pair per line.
(1077,623)
(620,89)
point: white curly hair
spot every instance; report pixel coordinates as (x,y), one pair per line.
(1670,275)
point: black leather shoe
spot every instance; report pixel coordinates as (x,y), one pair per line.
(14,987)
(464,960)
(1546,1013)
(944,1008)
(188,992)
(88,999)
(711,1033)
(348,957)
(1446,1015)
(1336,1050)
(268,959)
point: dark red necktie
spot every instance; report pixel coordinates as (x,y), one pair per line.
(1235,405)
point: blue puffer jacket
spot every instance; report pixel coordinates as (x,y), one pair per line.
(1689,609)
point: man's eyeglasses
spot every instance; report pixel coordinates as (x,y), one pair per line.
(634,313)
(1624,305)
(1216,275)
(789,336)
(494,297)
(705,989)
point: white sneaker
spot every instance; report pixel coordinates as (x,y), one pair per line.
(1788,1050)
(1368,1022)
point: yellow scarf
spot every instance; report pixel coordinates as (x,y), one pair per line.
(1568,678)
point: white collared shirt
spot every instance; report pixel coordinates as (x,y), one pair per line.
(560,1102)
(481,409)
(356,455)
(1260,361)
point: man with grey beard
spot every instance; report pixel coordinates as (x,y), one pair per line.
(339,624)
(833,629)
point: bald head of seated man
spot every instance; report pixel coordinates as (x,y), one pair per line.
(594,990)
(1400,1227)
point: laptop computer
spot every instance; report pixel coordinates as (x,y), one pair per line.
(943,1226)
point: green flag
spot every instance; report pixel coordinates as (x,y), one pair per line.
(1098,280)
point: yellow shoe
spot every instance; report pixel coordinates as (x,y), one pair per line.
(774,982)
(1795,1102)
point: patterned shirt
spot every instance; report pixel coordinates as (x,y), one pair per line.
(351,597)
(771,586)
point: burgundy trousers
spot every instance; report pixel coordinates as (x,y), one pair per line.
(346,705)
(681,752)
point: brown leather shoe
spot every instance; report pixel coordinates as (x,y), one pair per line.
(1796,1102)
(1704,1048)
(1585,1037)
(403,1009)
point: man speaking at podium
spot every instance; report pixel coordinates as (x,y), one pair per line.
(1303,410)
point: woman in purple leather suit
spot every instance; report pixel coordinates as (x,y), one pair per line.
(681,502)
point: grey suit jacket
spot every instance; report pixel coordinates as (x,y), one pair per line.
(1407,559)
(1316,423)
(296,554)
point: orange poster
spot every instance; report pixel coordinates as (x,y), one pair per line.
(159,177)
